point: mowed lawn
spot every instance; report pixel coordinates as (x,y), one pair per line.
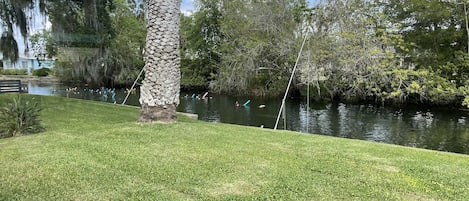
(98,151)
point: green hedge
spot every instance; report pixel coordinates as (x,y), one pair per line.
(42,72)
(13,72)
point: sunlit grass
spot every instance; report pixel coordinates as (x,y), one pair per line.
(97,151)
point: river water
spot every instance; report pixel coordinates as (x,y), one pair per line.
(423,127)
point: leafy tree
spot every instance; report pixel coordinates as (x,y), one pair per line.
(78,23)
(98,42)
(82,32)
(200,47)
(43,45)
(125,52)
(260,41)
(12,14)
(349,50)
(81,23)
(433,31)
(357,53)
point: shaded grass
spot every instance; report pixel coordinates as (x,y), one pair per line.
(97,151)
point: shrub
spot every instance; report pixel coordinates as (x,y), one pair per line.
(42,72)
(13,72)
(20,118)
(466,102)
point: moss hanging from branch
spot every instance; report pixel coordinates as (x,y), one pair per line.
(12,13)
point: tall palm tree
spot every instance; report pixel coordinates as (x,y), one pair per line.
(160,89)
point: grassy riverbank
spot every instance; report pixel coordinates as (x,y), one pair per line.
(97,151)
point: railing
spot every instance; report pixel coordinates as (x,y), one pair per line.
(11,86)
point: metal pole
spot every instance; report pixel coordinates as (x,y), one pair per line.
(467,26)
(289,82)
(284,117)
(133,85)
(307,103)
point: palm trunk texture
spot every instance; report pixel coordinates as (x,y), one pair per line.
(160,89)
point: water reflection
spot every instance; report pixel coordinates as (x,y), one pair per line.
(430,128)
(104,94)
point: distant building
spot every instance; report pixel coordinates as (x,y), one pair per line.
(26,62)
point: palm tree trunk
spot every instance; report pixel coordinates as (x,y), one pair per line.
(160,89)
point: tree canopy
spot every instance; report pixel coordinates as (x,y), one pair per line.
(13,17)
(385,51)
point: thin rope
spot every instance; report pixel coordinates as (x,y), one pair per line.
(133,85)
(289,83)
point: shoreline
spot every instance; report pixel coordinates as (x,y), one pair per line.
(27,79)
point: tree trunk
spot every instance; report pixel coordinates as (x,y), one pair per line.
(160,89)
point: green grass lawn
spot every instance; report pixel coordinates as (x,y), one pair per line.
(97,151)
